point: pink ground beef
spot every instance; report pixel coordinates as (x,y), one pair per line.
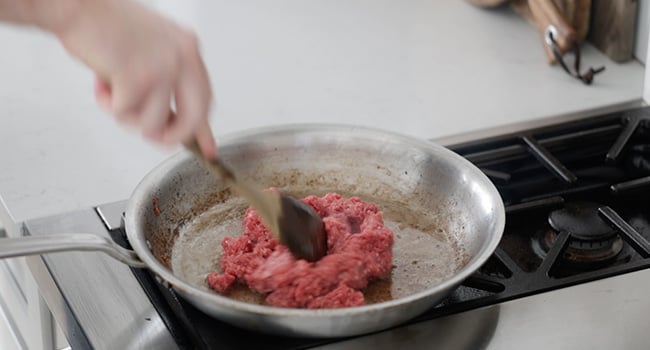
(359,250)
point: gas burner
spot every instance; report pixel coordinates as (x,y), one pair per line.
(592,243)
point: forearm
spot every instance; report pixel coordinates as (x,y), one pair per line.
(51,15)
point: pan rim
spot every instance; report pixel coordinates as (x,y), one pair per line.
(143,191)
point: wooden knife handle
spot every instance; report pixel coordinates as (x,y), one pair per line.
(547,14)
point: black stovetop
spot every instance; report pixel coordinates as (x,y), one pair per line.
(576,211)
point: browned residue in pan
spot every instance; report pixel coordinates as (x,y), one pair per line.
(164,238)
(156,208)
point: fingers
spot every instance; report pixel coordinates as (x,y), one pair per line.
(150,113)
(128,98)
(139,91)
(155,113)
(103,93)
(193,98)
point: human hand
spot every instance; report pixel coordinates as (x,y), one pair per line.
(144,64)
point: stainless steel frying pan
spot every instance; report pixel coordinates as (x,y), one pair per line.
(446,215)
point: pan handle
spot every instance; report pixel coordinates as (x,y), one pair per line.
(32,245)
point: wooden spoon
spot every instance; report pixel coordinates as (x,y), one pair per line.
(291,221)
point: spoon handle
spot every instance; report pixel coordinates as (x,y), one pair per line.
(267,204)
(214,164)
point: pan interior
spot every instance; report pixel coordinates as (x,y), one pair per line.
(421,200)
(424,252)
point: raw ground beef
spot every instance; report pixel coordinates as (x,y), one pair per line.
(359,250)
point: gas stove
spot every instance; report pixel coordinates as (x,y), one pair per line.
(575,195)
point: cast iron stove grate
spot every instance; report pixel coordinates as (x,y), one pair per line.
(595,170)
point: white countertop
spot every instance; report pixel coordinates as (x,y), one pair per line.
(425,68)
